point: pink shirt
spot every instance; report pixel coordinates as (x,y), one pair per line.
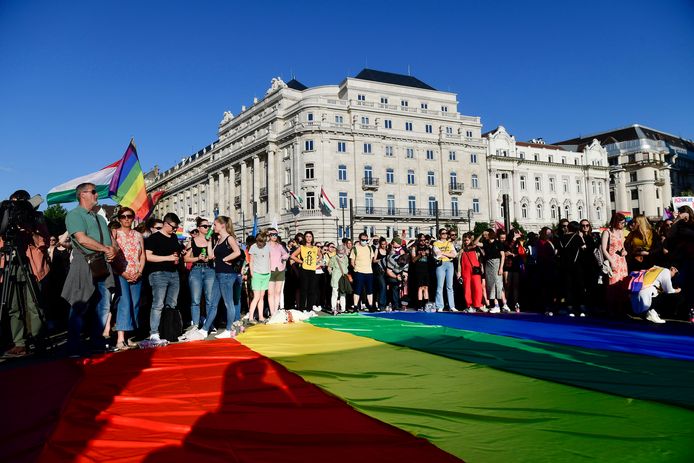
(277,253)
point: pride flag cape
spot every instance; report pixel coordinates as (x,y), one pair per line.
(127,185)
(65,192)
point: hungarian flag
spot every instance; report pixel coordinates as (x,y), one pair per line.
(326,201)
(299,200)
(65,192)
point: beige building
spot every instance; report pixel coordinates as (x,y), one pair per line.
(546,182)
(391,153)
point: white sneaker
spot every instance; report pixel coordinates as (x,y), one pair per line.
(652,316)
(225,334)
(317,308)
(154,337)
(470,310)
(483,309)
(506,308)
(197,335)
(453,309)
(495,309)
(191,328)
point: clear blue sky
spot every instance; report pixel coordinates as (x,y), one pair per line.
(79,78)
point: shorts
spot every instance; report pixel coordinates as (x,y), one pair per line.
(363,281)
(260,281)
(277,275)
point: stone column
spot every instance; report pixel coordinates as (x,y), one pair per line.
(256,185)
(620,191)
(244,189)
(221,195)
(231,193)
(666,190)
(209,207)
(273,184)
(515,197)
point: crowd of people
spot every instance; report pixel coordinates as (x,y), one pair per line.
(114,273)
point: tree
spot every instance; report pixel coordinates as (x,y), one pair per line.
(519,227)
(480,227)
(55,219)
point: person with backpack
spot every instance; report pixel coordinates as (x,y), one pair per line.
(571,244)
(361,257)
(228,260)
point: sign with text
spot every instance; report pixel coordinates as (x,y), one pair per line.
(679,201)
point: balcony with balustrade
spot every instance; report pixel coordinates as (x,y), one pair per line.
(455,188)
(369,183)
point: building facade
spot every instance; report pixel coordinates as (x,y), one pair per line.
(391,153)
(545,183)
(647,167)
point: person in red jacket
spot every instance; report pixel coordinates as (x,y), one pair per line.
(470,272)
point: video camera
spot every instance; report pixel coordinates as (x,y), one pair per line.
(20,214)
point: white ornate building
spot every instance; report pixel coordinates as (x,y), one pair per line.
(546,182)
(391,153)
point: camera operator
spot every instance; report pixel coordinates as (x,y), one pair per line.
(88,286)
(27,231)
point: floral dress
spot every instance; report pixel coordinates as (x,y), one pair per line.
(619,268)
(129,257)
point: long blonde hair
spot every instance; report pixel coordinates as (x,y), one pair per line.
(228,224)
(644,229)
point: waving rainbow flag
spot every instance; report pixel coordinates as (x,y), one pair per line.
(127,186)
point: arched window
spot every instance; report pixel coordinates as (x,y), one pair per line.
(553,212)
(475,181)
(524,211)
(539,211)
(454,179)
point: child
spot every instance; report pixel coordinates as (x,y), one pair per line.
(259,269)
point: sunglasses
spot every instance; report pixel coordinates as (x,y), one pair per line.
(126,216)
(172,225)
(204,226)
(273,234)
(159,227)
(90,191)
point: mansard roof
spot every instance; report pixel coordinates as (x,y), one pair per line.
(633,132)
(296,85)
(392,78)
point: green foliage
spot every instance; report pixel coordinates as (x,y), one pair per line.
(480,227)
(55,219)
(519,227)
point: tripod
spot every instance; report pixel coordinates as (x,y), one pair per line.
(16,276)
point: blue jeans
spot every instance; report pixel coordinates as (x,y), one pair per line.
(128,305)
(444,272)
(201,278)
(225,289)
(164,292)
(101,301)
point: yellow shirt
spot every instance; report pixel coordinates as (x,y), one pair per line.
(309,256)
(445,247)
(362,258)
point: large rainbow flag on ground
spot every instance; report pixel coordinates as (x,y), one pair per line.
(395,387)
(127,186)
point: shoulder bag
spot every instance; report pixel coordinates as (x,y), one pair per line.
(97,260)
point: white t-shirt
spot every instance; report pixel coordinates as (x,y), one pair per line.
(261,258)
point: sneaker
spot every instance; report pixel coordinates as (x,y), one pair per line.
(506,309)
(225,334)
(317,308)
(453,309)
(470,310)
(483,309)
(154,337)
(191,328)
(652,316)
(197,335)
(517,308)
(495,309)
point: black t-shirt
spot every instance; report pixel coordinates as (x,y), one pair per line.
(492,250)
(161,245)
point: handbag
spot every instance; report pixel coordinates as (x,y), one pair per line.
(97,261)
(171,324)
(476,269)
(344,284)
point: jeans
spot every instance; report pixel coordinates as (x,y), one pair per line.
(380,280)
(202,278)
(444,272)
(165,287)
(128,305)
(395,292)
(225,289)
(101,301)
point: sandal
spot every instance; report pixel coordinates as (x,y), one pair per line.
(121,346)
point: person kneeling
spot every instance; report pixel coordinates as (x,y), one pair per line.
(645,285)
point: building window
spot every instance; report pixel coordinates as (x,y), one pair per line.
(342,200)
(476,205)
(524,211)
(473,158)
(287,176)
(339,120)
(368,173)
(657,194)
(634,194)
(593,187)
(580,212)
(390,176)
(468,133)
(308,145)
(342,172)
(389,151)
(451,155)
(563,160)
(454,179)
(390,202)
(444,109)
(364,120)
(309,174)
(388,124)
(361,97)
(600,187)
(565,183)
(552,185)
(432,205)
(631,158)
(341,147)
(454,207)
(408,126)
(539,211)
(567,212)
(412,205)
(409,153)
(550,158)
(404,103)
(536,157)
(475,181)
(367,148)
(430,178)
(430,155)
(384,100)
(369,203)
(632,176)
(522,182)
(410,177)
(309,117)
(428,128)
(578,186)
(310,200)
(424,105)
(553,212)
(598,213)
(522,154)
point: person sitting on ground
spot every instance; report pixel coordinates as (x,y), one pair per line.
(645,285)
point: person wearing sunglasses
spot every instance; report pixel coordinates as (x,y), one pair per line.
(202,275)
(163,252)
(128,265)
(84,292)
(444,253)
(278,264)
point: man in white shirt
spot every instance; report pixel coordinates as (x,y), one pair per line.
(654,281)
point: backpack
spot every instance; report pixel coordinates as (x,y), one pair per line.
(171,324)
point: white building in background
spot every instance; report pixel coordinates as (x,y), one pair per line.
(391,153)
(546,182)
